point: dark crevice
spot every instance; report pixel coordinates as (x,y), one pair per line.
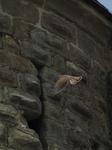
(95,146)
(109,94)
(37,124)
(38,127)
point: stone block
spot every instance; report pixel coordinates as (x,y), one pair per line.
(49,42)
(10,45)
(99,103)
(5,58)
(27,12)
(23,139)
(75,104)
(3,133)
(1,94)
(8,77)
(107,59)
(99,87)
(39,2)
(97,28)
(86,44)
(59,64)
(0,40)
(47,74)
(36,54)
(53,112)
(30,84)
(5,24)
(56,130)
(20,29)
(47,90)
(98,79)
(80,58)
(73,69)
(109,43)
(6,148)
(99,71)
(110,77)
(71,10)
(76,140)
(99,51)
(9,113)
(52,130)
(22,64)
(30,104)
(59,26)
(99,125)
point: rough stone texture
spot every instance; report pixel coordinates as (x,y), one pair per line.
(36,54)
(8,77)
(49,42)
(59,27)
(27,12)
(31,106)
(5,58)
(79,57)
(10,45)
(27,139)
(38,2)
(110,100)
(39,41)
(20,29)
(30,84)
(85,43)
(5,24)
(67,10)
(59,64)
(0,40)
(97,28)
(88,21)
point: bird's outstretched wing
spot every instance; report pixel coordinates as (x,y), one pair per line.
(61,84)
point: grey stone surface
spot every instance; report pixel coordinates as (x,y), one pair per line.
(30,105)
(59,64)
(74,104)
(21,10)
(3,131)
(86,44)
(38,2)
(36,54)
(0,40)
(39,40)
(79,57)
(5,24)
(31,85)
(59,26)
(11,45)
(49,42)
(27,138)
(47,74)
(97,28)
(20,29)
(67,10)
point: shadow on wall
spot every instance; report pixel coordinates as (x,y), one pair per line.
(109,92)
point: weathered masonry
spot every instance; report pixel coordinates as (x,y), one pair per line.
(39,40)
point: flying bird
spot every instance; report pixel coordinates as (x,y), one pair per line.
(63,81)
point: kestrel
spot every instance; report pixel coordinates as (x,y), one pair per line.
(63,82)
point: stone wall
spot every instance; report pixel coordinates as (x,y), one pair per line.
(39,40)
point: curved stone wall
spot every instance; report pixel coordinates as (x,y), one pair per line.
(39,40)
